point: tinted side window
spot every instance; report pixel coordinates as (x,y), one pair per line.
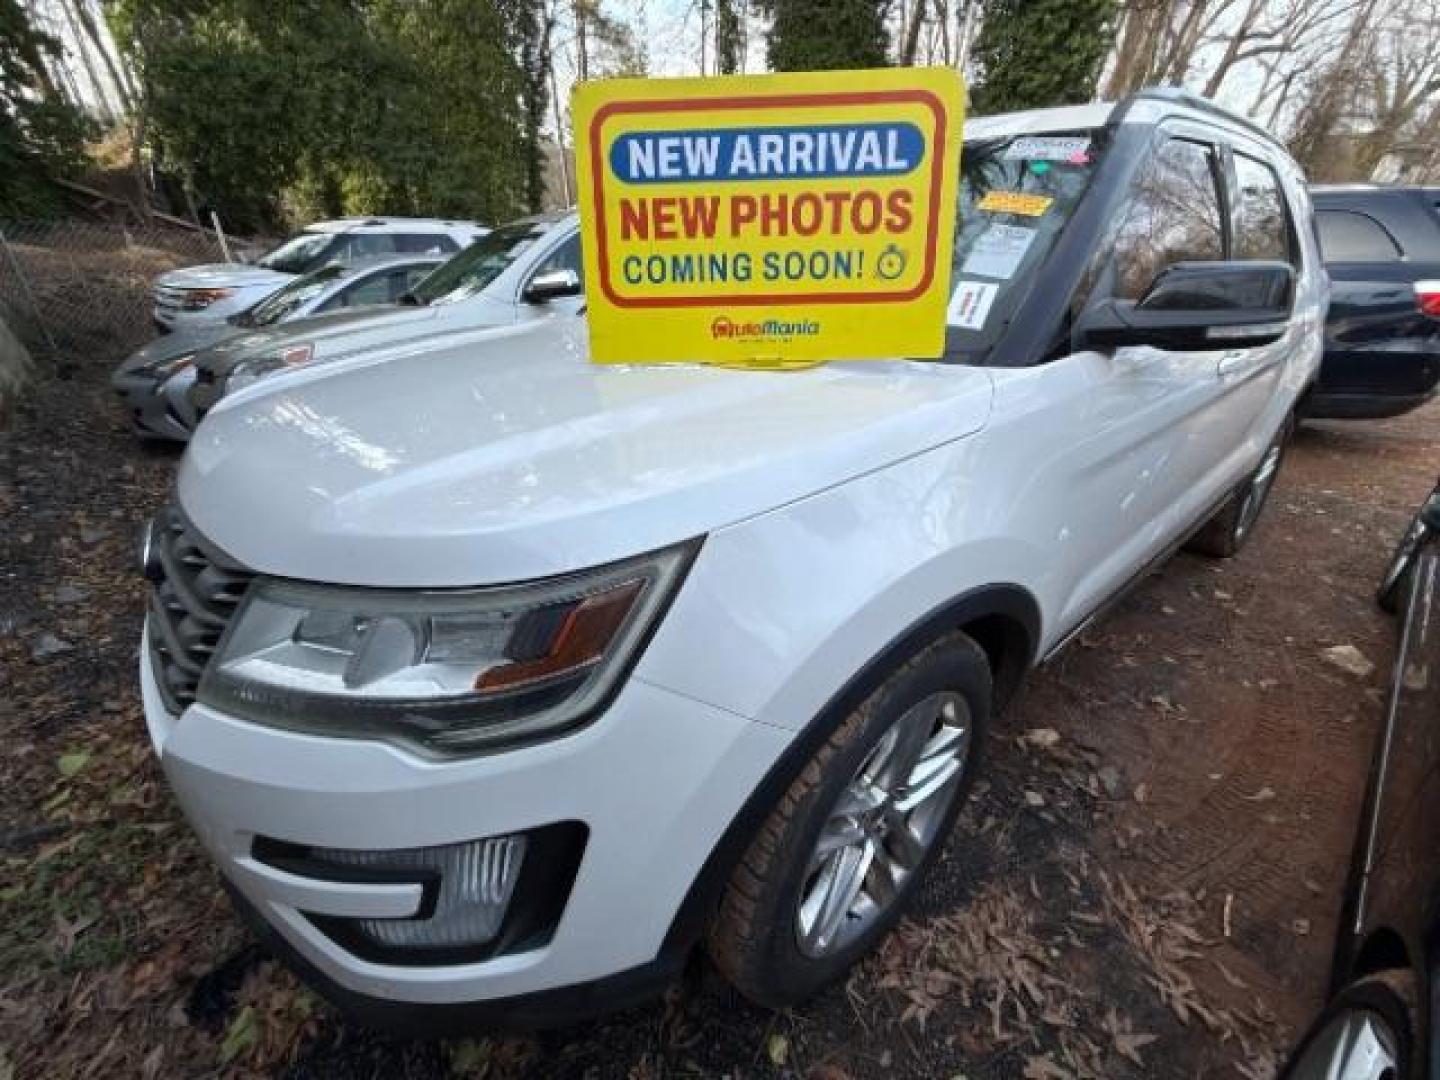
(1346,236)
(1262,227)
(1173,216)
(368,290)
(565,257)
(424,243)
(365,245)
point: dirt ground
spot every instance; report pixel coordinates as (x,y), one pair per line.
(1144,883)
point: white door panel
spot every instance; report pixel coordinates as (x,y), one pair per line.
(1129,433)
(1249,388)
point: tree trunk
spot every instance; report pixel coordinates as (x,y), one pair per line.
(113,64)
(912,34)
(1138,45)
(582,52)
(92,73)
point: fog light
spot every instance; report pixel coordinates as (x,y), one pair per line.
(474,884)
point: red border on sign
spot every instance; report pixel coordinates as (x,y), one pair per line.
(860,97)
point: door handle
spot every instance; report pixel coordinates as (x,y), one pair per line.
(1231,361)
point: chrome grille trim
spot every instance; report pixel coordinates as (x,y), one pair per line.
(191,604)
(169,296)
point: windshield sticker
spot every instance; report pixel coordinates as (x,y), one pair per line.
(1072,149)
(1014,202)
(998,251)
(970,304)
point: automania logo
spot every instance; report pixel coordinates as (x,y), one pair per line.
(724,328)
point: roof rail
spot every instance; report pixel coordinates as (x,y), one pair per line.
(1174,95)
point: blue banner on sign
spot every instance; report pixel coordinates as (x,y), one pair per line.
(776,153)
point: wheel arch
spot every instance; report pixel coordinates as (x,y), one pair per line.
(1383,950)
(1003,619)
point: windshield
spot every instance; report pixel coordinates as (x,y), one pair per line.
(480,263)
(284,301)
(298,254)
(1016,195)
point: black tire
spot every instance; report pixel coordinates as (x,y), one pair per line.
(1386,1002)
(754,939)
(1225,534)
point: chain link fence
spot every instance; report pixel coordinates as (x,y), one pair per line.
(80,290)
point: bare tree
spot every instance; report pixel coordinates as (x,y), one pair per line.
(912,34)
(1330,92)
(1400,80)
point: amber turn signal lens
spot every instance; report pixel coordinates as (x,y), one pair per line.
(580,641)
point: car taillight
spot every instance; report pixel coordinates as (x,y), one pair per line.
(1427,298)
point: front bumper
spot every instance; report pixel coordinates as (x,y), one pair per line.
(156,404)
(656,781)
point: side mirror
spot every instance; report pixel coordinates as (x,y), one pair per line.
(552,285)
(1196,306)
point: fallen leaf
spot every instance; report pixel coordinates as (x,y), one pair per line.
(70,764)
(239,1036)
(779,1050)
(67,930)
(1044,737)
(1348,659)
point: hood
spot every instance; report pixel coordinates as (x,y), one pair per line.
(330,334)
(170,346)
(222,276)
(514,457)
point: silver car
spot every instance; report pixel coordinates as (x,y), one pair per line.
(153,381)
(520,272)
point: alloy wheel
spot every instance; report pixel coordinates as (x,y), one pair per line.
(1355,1045)
(884,823)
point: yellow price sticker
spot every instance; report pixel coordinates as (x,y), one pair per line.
(1014,202)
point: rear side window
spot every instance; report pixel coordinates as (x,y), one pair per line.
(424,243)
(1173,216)
(366,245)
(374,289)
(1262,227)
(1349,236)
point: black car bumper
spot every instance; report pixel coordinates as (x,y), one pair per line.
(1331,405)
(559,1007)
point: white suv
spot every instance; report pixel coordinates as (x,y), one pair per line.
(495,681)
(196,297)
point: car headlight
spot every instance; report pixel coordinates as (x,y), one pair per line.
(448,672)
(170,365)
(199,299)
(255,368)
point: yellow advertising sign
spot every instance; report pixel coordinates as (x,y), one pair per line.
(769,220)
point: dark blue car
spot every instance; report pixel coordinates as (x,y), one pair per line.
(1382,338)
(1382,1021)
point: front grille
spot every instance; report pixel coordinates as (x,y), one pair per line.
(169,297)
(196,590)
